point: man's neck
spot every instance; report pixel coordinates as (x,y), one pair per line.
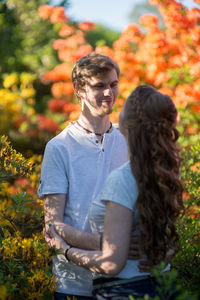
(95,124)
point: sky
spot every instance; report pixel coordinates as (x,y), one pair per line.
(111,13)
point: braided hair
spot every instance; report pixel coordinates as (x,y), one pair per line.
(150,118)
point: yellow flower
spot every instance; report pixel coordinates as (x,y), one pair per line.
(31,111)
(4,92)
(31,101)
(28,93)
(27,78)
(10,80)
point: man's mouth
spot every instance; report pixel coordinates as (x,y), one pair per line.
(106,100)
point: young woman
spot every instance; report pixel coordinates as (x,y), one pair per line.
(146,192)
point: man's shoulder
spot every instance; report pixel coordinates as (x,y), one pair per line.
(61,139)
(63,135)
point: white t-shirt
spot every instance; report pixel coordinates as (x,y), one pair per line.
(120,188)
(75,164)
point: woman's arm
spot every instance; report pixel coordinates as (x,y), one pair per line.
(117,232)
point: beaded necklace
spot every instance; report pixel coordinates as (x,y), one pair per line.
(98,134)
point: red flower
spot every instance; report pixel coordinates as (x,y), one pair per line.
(46,123)
(56,105)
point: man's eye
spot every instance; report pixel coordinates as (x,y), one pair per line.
(114,84)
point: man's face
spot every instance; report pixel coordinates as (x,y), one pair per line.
(100,93)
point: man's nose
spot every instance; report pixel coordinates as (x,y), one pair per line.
(108,91)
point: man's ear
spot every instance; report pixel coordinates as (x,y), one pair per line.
(80,93)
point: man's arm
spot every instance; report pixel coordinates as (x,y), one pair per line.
(54,207)
(112,258)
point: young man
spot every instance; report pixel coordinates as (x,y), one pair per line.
(76,164)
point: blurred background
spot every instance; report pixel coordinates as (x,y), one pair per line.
(155,42)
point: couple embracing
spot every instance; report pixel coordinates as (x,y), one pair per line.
(112,196)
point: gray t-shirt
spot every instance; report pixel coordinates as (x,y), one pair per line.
(120,188)
(75,164)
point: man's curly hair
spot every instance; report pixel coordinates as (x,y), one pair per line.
(93,64)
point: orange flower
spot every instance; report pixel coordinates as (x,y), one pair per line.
(131,33)
(193,15)
(45,11)
(186,196)
(105,51)
(60,72)
(195,167)
(59,44)
(184,95)
(71,42)
(66,30)
(60,89)
(149,21)
(191,130)
(154,2)
(71,107)
(75,40)
(74,115)
(160,78)
(114,117)
(167,91)
(82,51)
(58,15)
(194,211)
(72,55)
(86,26)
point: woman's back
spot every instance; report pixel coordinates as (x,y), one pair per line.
(120,188)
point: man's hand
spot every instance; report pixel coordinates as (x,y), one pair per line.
(145,266)
(134,253)
(134,248)
(53,239)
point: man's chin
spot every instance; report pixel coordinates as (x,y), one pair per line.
(107,110)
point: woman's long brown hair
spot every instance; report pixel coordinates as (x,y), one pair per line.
(150,119)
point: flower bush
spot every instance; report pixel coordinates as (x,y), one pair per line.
(165,58)
(25,269)
(168,59)
(19,119)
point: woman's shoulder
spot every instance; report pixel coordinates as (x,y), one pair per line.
(122,173)
(120,187)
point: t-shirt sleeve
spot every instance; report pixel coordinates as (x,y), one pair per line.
(120,189)
(53,178)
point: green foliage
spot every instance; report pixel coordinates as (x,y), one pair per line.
(26,39)
(188,127)
(167,287)
(187,260)
(191,173)
(102,36)
(25,269)
(179,76)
